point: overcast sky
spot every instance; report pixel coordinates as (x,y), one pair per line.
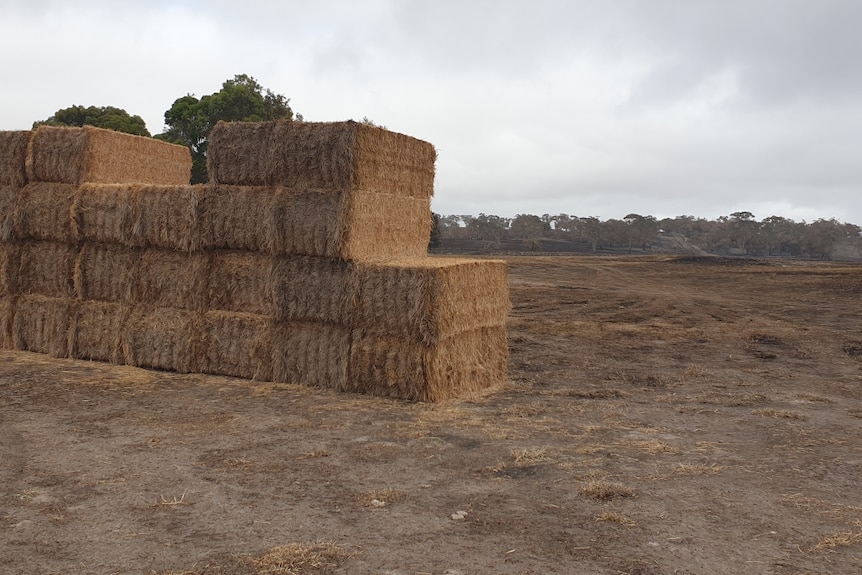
(592,108)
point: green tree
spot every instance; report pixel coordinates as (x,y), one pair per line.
(641,230)
(243,99)
(107,117)
(434,241)
(530,229)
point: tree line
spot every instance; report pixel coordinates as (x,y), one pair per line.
(738,233)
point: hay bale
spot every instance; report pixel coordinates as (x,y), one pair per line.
(45,211)
(46,268)
(105,214)
(240,281)
(234,217)
(8,199)
(163,338)
(41,324)
(310,353)
(105,272)
(88,154)
(7,310)
(327,156)
(171,279)
(13,151)
(428,299)
(455,367)
(237,344)
(310,289)
(96,331)
(351,225)
(167,217)
(9,264)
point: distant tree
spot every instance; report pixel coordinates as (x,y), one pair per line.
(529,229)
(106,117)
(641,230)
(743,229)
(777,234)
(592,231)
(488,227)
(189,120)
(821,236)
(434,241)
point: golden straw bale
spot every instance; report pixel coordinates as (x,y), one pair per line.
(105,272)
(44,211)
(163,338)
(7,309)
(8,199)
(239,281)
(428,299)
(46,268)
(310,289)
(236,217)
(41,324)
(96,331)
(456,367)
(310,353)
(171,279)
(105,213)
(167,217)
(237,344)
(351,225)
(328,156)
(94,155)
(13,151)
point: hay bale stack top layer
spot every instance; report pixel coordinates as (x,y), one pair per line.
(93,155)
(323,156)
(13,151)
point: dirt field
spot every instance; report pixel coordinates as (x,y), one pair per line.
(663,415)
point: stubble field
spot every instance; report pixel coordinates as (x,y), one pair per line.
(662,415)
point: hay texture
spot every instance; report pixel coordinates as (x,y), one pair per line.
(8,199)
(237,217)
(310,353)
(45,211)
(240,281)
(45,268)
(457,366)
(237,344)
(81,155)
(171,279)
(13,152)
(41,324)
(7,308)
(105,214)
(326,156)
(9,263)
(163,338)
(167,217)
(310,289)
(428,299)
(105,272)
(96,331)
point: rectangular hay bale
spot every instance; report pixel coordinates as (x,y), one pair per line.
(96,331)
(105,213)
(241,281)
(105,272)
(455,367)
(46,268)
(80,155)
(310,289)
(9,264)
(45,211)
(237,345)
(13,152)
(171,279)
(320,155)
(428,299)
(310,353)
(7,310)
(8,199)
(41,324)
(163,338)
(235,217)
(167,217)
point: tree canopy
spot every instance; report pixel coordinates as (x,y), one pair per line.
(107,117)
(190,119)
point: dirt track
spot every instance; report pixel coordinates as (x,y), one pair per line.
(663,415)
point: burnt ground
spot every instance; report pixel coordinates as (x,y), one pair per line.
(662,415)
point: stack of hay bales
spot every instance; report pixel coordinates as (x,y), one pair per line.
(304,259)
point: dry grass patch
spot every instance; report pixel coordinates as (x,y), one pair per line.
(780,414)
(732,399)
(298,558)
(842,539)
(615,517)
(654,446)
(603,490)
(381,498)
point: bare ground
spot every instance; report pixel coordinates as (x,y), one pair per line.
(663,415)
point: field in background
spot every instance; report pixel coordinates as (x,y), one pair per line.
(662,415)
